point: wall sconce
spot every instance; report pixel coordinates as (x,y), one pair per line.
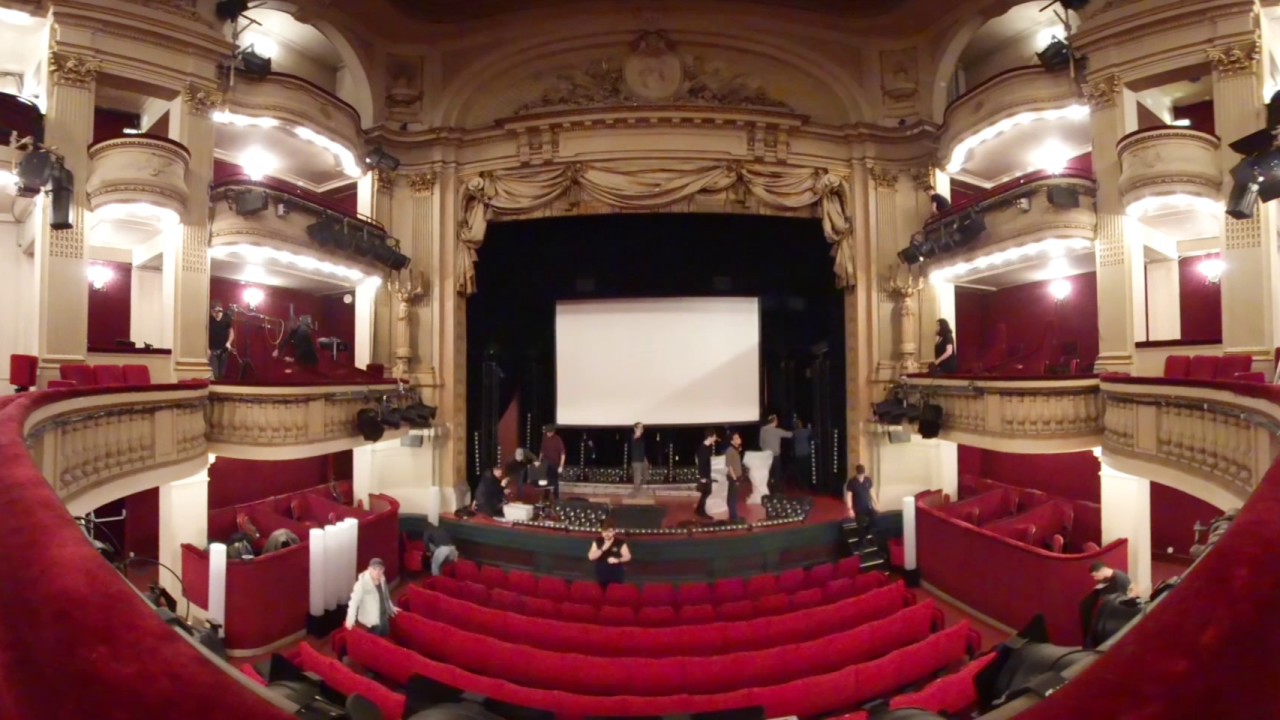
(253,297)
(1060,289)
(99,276)
(1212,270)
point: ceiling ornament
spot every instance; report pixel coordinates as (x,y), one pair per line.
(73,70)
(1235,59)
(899,78)
(652,73)
(404,87)
(1101,93)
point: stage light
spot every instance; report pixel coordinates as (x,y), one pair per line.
(1055,56)
(262,45)
(369,425)
(229,10)
(910,255)
(1212,270)
(34,171)
(1245,183)
(326,231)
(380,159)
(253,64)
(970,227)
(1060,289)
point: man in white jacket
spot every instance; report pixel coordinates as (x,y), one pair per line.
(370,605)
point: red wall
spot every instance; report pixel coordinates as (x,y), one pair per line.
(1200,114)
(332,316)
(1200,301)
(235,482)
(1024,310)
(142,523)
(345,196)
(1173,515)
(110,124)
(110,307)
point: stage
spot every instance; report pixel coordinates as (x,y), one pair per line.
(675,556)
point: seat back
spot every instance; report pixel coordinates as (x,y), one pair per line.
(22,370)
(1177,367)
(1204,367)
(136,374)
(1230,365)
(81,375)
(108,375)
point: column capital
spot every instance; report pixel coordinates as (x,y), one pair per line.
(882,177)
(1102,92)
(922,177)
(202,100)
(1237,58)
(422,183)
(71,70)
(385,178)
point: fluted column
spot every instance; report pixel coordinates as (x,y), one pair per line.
(62,290)
(382,207)
(452,339)
(417,228)
(859,322)
(1248,296)
(889,237)
(1118,248)
(185,261)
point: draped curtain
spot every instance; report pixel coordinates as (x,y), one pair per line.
(633,186)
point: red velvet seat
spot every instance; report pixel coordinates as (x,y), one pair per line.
(622,594)
(776,604)
(23,371)
(473,593)
(761,586)
(1204,367)
(658,594)
(1090,547)
(505,600)
(60,384)
(586,592)
(466,571)
(735,611)
(579,612)
(791,581)
(838,589)
(696,614)
(521,582)
(1177,367)
(657,616)
(617,615)
(803,600)
(693,594)
(1230,365)
(81,375)
(538,607)
(819,575)
(136,374)
(105,375)
(848,567)
(348,682)
(1056,543)
(553,588)
(1250,377)
(728,590)
(493,578)
(376,369)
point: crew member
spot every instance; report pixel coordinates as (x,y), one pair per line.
(302,342)
(609,552)
(737,475)
(440,547)
(222,335)
(553,458)
(370,605)
(801,446)
(703,458)
(938,201)
(944,350)
(859,498)
(771,435)
(639,456)
(1109,580)
(491,493)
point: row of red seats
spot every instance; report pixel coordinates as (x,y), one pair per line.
(953,694)
(24,370)
(657,615)
(1212,367)
(708,638)
(349,682)
(557,589)
(656,677)
(810,696)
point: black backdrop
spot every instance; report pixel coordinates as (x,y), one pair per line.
(526,266)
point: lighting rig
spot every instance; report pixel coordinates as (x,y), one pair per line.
(1257,176)
(41,167)
(1058,55)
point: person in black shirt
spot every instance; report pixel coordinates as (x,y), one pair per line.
(944,350)
(939,201)
(703,457)
(609,552)
(1112,586)
(859,500)
(302,342)
(491,493)
(1109,580)
(639,456)
(222,334)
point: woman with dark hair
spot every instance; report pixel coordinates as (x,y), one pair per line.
(944,350)
(609,552)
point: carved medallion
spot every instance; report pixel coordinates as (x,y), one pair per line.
(653,72)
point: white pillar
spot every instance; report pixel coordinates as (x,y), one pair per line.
(947,468)
(366,298)
(1164,311)
(909,533)
(184,518)
(362,480)
(1126,513)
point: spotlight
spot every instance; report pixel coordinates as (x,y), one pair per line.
(1055,56)
(390,256)
(366,241)
(253,64)
(930,423)
(229,10)
(1245,183)
(380,159)
(1076,5)
(34,171)
(369,425)
(910,255)
(969,227)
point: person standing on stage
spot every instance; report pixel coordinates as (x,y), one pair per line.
(553,458)
(859,501)
(639,457)
(609,552)
(703,457)
(736,475)
(801,439)
(222,336)
(771,435)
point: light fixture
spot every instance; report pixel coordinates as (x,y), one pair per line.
(262,45)
(258,163)
(99,276)
(253,63)
(1212,269)
(1052,156)
(1046,36)
(1060,289)
(260,254)
(229,10)
(253,297)
(1156,204)
(230,118)
(1056,56)
(15,17)
(1052,247)
(964,147)
(1181,122)
(380,159)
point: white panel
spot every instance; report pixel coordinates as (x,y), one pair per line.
(218,584)
(146,309)
(664,361)
(17,272)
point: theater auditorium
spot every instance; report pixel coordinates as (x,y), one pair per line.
(729,359)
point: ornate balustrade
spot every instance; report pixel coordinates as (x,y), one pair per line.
(277,423)
(1199,432)
(1055,414)
(1168,166)
(138,170)
(84,444)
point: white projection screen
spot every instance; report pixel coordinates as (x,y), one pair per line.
(667,361)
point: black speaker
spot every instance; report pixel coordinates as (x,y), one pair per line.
(970,227)
(1063,197)
(369,424)
(251,202)
(930,421)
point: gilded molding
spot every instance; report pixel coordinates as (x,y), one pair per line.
(922,177)
(1236,59)
(1101,93)
(422,183)
(202,100)
(385,178)
(882,177)
(73,70)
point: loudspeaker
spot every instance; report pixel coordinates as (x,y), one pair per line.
(930,421)
(1063,197)
(899,436)
(369,424)
(251,202)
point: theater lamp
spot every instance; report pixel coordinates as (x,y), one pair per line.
(1060,289)
(1212,270)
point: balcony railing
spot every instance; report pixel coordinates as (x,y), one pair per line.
(1168,165)
(298,103)
(139,169)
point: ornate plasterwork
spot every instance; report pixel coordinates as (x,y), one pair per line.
(652,73)
(385,178)
(1234,59)
(202,100)
(422,183)
(883,177)
(1101,93)
(73,70)
(922,177)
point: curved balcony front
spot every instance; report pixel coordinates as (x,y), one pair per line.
(139,176)
(275,422)
(287,113)
(1170,178)
(1015,414)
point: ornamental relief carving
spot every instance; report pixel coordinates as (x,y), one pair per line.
(202,100)
(73,70)
(652,73)
(882,178)
(422,183)
(1101,93)
(1236,59)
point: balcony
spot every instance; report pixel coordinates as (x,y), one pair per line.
(1171,180)
(1033,414)
(140,177)
(1193,432)
(282,422)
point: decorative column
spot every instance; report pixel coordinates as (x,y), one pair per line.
(1248,297)
(1120,263)
(888,236)
(185,260)
(184,518)
(421,237)
(363,481)
(1126,513)
(452,336)
(62,297)
(903,290)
